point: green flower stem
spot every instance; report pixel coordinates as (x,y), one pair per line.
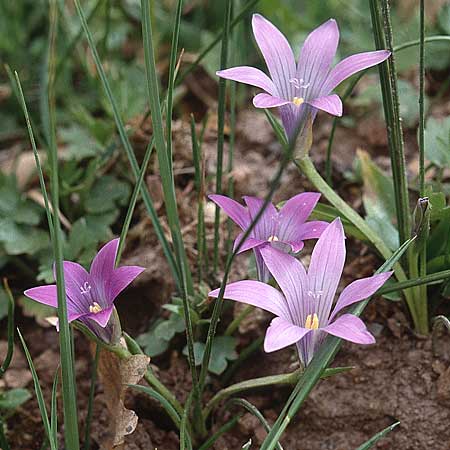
(433,278)
(421,260)
(409,44)
(87,432)
(307,168)
(282,379)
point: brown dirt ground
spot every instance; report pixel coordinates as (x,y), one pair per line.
(398,378)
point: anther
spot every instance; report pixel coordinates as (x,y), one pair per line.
(95,308)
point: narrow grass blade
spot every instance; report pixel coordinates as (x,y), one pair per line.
(169,194)
(54,407)
(199,183)
(172,413)
(132,203)
(319,363)
(171,80)
(434,278)
(90,407)
(128,148)
(10,350)
(67,364)
(165,165)
(221,128)
(36,155)
(222,430)
(382,30)
(373,440)
(252,409)
(68,51)
(39,395)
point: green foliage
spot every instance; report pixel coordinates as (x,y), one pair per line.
(437,141)
(378,199)
(223,350)
(18,219)
(12,399)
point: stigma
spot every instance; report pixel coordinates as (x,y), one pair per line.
(297,101)
(95,308)
(312,322)
(273,238)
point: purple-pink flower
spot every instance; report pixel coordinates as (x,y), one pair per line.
(304,310)
(90,295)
(303,88)
(285,229)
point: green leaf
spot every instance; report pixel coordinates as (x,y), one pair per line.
(20,239)
(437,141)
(80,144)
(13,398)
(106,193)
(223,350)
(379,200)
(152,345)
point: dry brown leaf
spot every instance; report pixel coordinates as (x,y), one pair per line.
(115,374)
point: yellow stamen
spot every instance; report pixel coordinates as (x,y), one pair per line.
(95,308)
(297,101)
(273,238)
(312,322)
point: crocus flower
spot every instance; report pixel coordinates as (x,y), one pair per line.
(90,295)
(304,310)
(285,229)
(303,88)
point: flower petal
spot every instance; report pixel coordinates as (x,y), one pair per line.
(312,230)
(103,264)
(325,269)
(277,53)
(316,57)
(46,295)
(80,288)
(349,66)
(251,76)
(360,290)
(332,104)
(120,279)
(101,317)
(282,333)
(236,212)
(294,214)
(267,223)
(248,244)
(350,328)
(290,275)
(256,294)
(268,101)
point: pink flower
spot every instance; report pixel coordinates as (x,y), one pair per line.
(304,309)
(285,229)
(90,295)
(303,88)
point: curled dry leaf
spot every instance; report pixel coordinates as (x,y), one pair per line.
(116,374)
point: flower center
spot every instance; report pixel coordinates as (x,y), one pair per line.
(315,295)
(312,322)
(95,308)
(85,288)
(273,238)
(297,101)
(299,84)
